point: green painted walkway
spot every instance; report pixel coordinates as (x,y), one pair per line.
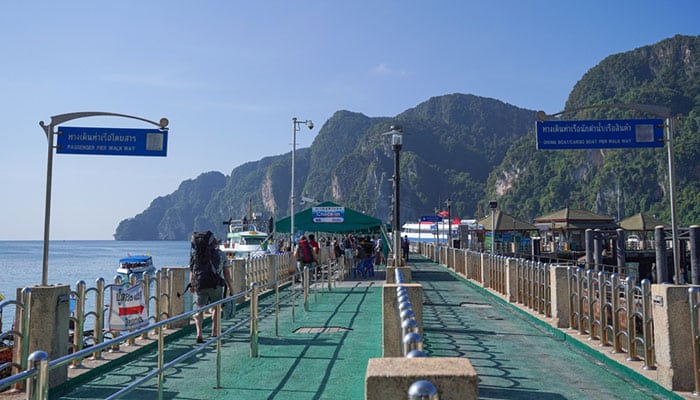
(516,356)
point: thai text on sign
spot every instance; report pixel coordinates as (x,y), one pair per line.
(127,308)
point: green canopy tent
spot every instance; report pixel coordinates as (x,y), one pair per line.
(347,221)
(343,220)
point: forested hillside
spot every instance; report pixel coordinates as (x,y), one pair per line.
(469,149)
(618,182)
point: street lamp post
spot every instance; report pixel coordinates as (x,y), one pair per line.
(437,228)
(492,206)
(295,124)
(396,133)
(448,202)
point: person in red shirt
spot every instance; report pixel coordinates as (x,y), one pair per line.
(314,244)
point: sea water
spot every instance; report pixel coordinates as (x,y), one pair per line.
(21,263)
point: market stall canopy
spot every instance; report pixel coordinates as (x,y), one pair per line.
(505,222)
(642,222)
(574,219)
(330,217)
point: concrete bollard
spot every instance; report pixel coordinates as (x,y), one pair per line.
(484,265)
(271,266)
(512,279)
(672,336)
(561,306)
(391,315)
(178,281)
(391,274)
(238,277)
(48,326)
(391,378)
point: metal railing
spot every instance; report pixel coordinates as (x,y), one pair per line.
(18,334)
(604,305)
(613,311)
(271,270)
(534,289)
(38,366)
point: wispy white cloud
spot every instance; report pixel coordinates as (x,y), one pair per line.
(383,69)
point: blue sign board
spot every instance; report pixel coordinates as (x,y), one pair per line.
(328,214)
(430,218)
(604,134)
(112,141)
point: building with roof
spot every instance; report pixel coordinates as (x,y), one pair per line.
(564,230)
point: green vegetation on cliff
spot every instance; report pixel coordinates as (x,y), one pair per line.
(469,149)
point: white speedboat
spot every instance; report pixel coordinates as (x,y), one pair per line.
(136,265)
(244,241)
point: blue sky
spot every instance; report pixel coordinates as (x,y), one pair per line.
(230,75)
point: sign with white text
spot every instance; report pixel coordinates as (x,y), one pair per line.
(112,141)
(328,214)
(604,134)
(127,308)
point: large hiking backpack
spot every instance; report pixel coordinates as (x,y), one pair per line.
(204,261)
(305,251)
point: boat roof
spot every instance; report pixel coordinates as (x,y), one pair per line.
(135,259)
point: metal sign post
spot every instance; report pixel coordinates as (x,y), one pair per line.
(49,131)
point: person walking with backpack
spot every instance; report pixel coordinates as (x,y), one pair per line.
(305,254)
(206,281)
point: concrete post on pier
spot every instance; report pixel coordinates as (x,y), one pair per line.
(48,325)
(486,260)
(512,279)
(391,274)
(673,337)
(392,342)
(179,279)
(271,265)
(561,306)
(238,277)
(390,378)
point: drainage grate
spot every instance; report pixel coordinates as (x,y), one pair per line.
(475,305)
(320,329)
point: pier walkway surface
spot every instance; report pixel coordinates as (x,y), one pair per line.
(515,355)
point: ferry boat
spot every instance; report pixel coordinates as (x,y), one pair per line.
(243,241)
(136,265)
(429,231)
